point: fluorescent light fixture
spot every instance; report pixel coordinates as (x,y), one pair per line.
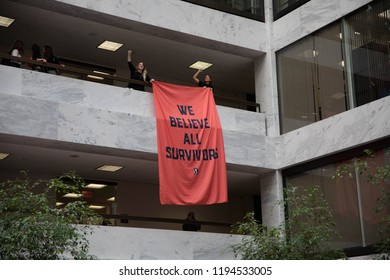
(95,77)
(59,203)
(100,72)
(112,199)
(73,195)
(110,46)
(5,22)
(95,186)
(109,168)
(200,65)
(96,206)
(3,155)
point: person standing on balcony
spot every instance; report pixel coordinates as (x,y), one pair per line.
(190,223)
(50,58)
(137,73)
(36,55)
(17,51)
(207,80)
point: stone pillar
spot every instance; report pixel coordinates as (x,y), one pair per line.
(266,79)
(271,189)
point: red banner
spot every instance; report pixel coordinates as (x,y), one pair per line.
(191,157)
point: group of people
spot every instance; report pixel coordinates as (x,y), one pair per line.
(140,73)
(47,56)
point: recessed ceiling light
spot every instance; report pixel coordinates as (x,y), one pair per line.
(4,21)
(200,65)
(111,199)
(96,206)
(95,186)
(100,72)
(3,155)
(109,168)
(110,46)
(73,195)
(95,77)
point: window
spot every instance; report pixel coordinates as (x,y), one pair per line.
(352,200)
(367,43)
(253,9)
(342,66)
(283,7)
(311,82)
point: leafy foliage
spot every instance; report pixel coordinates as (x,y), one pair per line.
(304,236)
(33,228)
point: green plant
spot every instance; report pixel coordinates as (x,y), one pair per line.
(31,227)
(305,235)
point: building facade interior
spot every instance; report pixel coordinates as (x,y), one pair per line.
(301,88)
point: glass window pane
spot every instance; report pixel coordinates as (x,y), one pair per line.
(296,85)
(283,7)
(368,34)
(342,200)
(253,9)
(329,63)
(371,194)
(311,82)
(342,196)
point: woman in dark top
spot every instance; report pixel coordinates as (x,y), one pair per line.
(207,80)
(36,55)
(137,73)
(50,58)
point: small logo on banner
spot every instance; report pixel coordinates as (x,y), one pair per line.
(196,171)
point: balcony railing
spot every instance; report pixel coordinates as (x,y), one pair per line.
(77,70)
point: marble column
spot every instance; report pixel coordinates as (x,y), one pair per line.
(271,189)
(266,79)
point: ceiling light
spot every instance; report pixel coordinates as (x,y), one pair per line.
(110,168)
(73,195)
(111,199)
(95,77)
(100,72)
(4,21)
(59,203)
(96,206)
(3,155)
(110,46)
(95,186)
(200,65)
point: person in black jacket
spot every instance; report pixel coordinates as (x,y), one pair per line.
(137,73)
(190,223)
(207,80)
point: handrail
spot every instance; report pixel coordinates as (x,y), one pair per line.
(114,77)
(161,220)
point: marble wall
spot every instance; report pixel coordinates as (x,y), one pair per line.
(62,109)
(183,17)
(310,17)
(119,243)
